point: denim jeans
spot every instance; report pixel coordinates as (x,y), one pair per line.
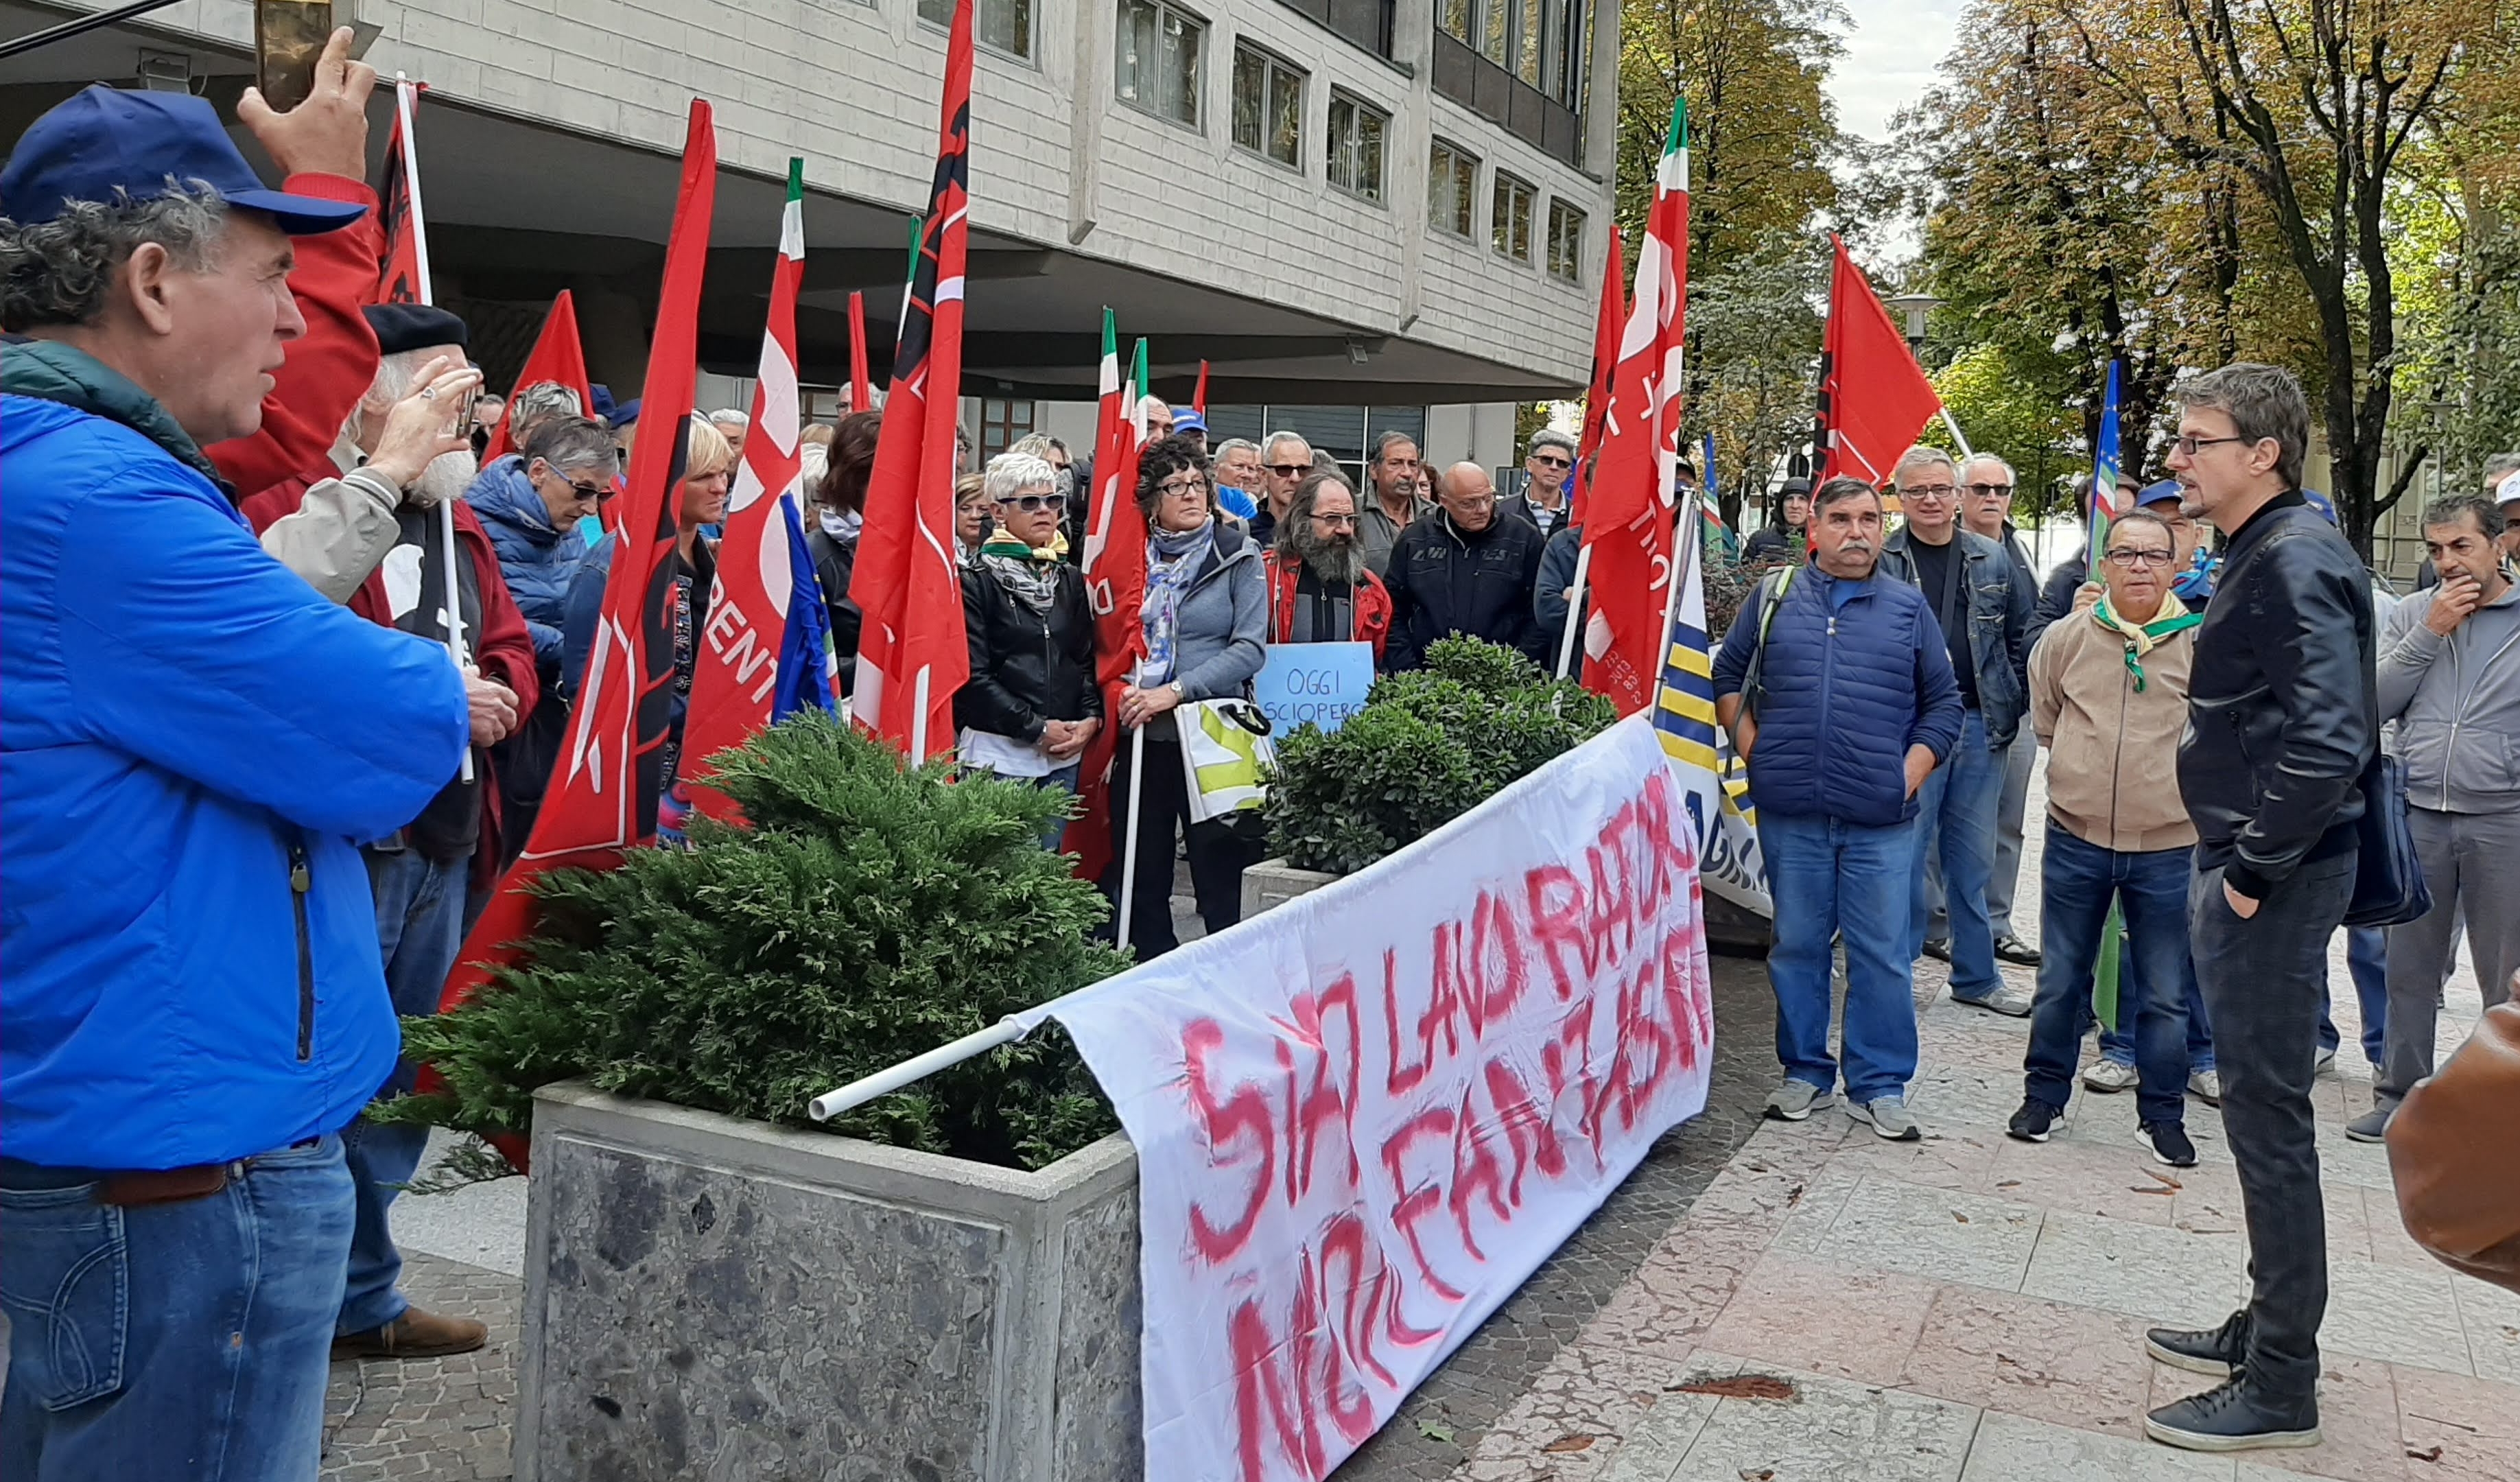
(2077,883)
(1827,877)
(2117,1044)
(2262,979)
(190,1339)
(2013,805)
(2367,961)
(420,928)
(1956,823)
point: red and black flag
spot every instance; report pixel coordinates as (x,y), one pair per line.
(403,275)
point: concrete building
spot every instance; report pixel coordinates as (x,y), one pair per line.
(1341,204)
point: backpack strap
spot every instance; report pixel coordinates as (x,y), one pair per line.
(1772,596)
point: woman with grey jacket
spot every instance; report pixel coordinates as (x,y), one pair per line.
(1206,616)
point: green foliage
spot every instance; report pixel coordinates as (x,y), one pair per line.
(867,915)
(1427,747)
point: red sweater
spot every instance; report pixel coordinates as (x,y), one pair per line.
(1372,605)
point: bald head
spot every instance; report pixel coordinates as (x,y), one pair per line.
(1469,495)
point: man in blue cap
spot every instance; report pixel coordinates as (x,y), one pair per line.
(193,740)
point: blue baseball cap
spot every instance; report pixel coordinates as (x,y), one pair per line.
(1187,419)
(2158,493)
(107,142)
(2320,502)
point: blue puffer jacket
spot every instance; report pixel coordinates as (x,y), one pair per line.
(190,740)
(537,559)
(1855,672)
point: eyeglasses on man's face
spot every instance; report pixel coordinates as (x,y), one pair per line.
(1928,492)
(1990,491)
(1034,504)
(1334,522)
(2190,446)
(1548,461)
(2139,557)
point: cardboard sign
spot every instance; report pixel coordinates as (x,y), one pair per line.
(1320,683)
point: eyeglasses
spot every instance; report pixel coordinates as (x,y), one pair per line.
(596,492)
(1291,470)
(1337,522)
(1473,501)
(1990,490)
(1034,504)
(1930,491)
(1186,485)
(2190,445)
(1553,462)
(2137,560)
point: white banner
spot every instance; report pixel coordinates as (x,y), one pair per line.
(1365,1117)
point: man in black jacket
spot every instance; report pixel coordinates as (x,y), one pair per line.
(2282,718)
(1032,702)
(1464,570)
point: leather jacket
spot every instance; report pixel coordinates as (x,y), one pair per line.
(2282,711)
(1027,667)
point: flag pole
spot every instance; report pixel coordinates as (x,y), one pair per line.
(1129,840)
(1956,436)
(1574,607)
(454,611)
(865,1088)
(919,719)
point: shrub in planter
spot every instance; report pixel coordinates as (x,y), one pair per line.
(1428,746)
(867,913)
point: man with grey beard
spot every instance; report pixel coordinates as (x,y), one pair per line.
(1320,588)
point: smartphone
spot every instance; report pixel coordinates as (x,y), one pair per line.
(289,37)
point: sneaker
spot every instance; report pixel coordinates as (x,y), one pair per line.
(2031,1123)
(2168,1144)
(2010,1002)
(1889,1117)
(2325,1065)
(2215,1351)
(2013,949)
(2206,1086)
(416,1335)
(2372,1126)
(2236,1416)
(1794,1101)
(1940,950)
(2109,1077)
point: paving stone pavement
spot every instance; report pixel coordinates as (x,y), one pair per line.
(437,1420)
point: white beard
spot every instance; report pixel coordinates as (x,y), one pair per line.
(446,477)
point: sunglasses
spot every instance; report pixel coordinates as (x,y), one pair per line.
(1034,504)
(1553,462)
(1291,470)
(1989,490)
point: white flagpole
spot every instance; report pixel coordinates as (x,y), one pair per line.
(919,719)
(1129,841)
(404,92)
(1574,608)
(1957,435)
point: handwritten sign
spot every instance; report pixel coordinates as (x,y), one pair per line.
(1320,683)
(1363,1118)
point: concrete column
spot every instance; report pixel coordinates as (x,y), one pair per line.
(1413,132)
(1088,96)
(1602,99)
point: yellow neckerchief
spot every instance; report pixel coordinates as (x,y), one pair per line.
(2143,638)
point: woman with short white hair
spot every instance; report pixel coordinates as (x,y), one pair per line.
(1032,702)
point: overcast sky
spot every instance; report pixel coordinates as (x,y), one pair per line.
(1890,57)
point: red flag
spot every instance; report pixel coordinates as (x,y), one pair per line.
(1606,355)
(1115,583)
(403,275)
(557,357)
(911,651)
(861,380)
(1873,397)
(1198,397)
(1629,522)
(738,664)
(602,798)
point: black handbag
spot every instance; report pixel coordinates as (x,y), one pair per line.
(2389,887)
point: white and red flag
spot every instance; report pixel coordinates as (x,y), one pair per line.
(1115,583)
(912,654)
(1628,509)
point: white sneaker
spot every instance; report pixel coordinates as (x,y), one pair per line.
(2010,1002)
(1888,1115)
(1795,1101)
(2109,1077)
(2206,1086)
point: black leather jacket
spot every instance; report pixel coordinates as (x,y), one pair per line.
(1027,667)
(2282,712)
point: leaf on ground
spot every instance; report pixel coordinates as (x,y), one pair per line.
(1956,1215)
(1434,1430)
(2428,1453)
(2163,1177)
(1757,1474)
(1794,1195)
(1572,1441)
(1736,1387)
(2008,1183)
(2141,1188)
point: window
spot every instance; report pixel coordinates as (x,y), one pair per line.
(1452,188)
(1159,54)
(1491,38)
(1357,130)
(1002,26)
(1510,218)
(1367,24)
(1002,425)
(1268,106)
(1565,242)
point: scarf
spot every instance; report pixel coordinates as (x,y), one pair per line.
(2143,638)
(842,527)
(1173,557)
(1031,573)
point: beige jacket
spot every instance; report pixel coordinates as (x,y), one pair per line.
(2112,753)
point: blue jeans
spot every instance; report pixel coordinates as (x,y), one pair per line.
(1830,877)
(2367,959)
(1956,822)
(188,1339)
(2118,1044)
(420,928)
(2077,880)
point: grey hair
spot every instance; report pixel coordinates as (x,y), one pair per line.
(1269,444)
(1383,445)
(2446,510)
(1994,458)
(1010,474)
(1233,445)
(1838,491)
(1924,456)
(569,443)
(2263,402)
(2501,465)
(1551,437)
(539,403)
(1035,445)
(728,416)
(396,371)
(58,272)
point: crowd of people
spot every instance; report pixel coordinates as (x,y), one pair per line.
(2210,709)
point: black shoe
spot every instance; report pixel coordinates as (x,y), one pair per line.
(2234,1416)
(2031,1123)
(2168,1144)
(2215,1351)
(1939,951)
(2013,949)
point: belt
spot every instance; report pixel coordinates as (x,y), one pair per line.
(173,1186)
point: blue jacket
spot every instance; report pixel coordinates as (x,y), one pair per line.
(1855,672)
(184,725)
(2002,610)
(537,559)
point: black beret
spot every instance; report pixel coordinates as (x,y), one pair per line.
(404,327)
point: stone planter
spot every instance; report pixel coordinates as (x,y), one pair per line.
(709,1296)
(1274,882)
